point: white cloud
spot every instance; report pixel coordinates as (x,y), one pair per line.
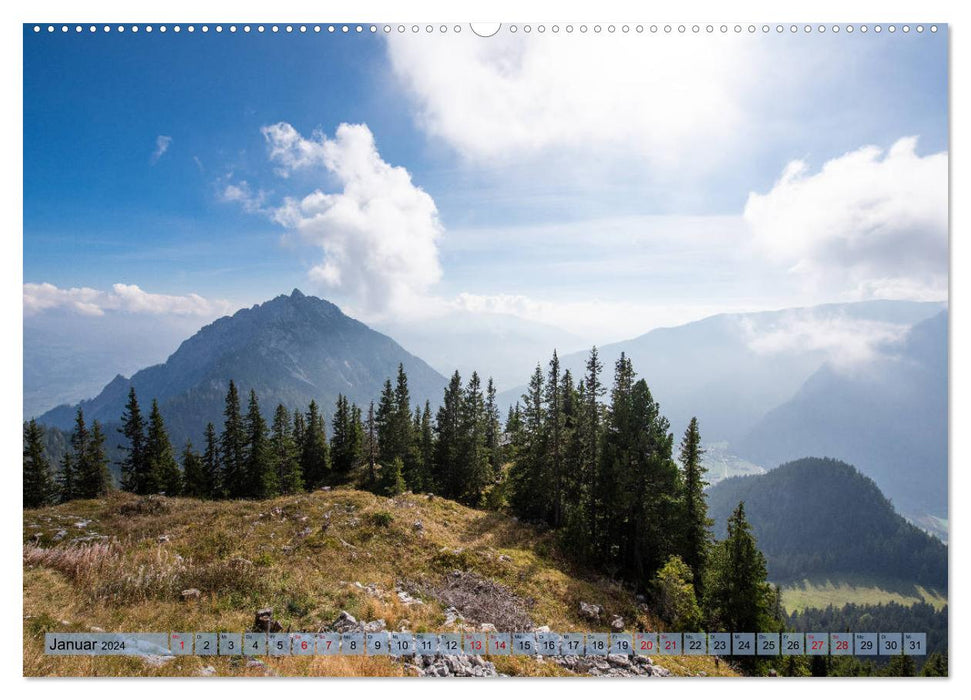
(664,99)
(241,193)
(162,144)
(129,298)
(847,343)
(869,224)
(379,233)
(595,321)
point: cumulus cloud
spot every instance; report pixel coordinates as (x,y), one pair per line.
(665,99)
(162,144)
(379,233)
(846,342)
(869,224)
(129,298)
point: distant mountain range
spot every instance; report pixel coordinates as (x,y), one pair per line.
(730,370)
(816,517)
(291,350)
(888,417)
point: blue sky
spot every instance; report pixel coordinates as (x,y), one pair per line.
(602,185)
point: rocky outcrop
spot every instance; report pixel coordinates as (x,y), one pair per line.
(613,665)
(449,665)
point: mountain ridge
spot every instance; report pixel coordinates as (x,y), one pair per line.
(290,349)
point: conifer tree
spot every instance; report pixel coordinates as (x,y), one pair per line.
(211,466)
(233,446)
(315,459)
(585,523)
(283,451)
(356,437)
(738,596)
(414,466)
(390,481)
(426,440)
(195,483)
(299,429)
(529,496)
(38,485)
(402,431)
(696,527)
(258,466)
(385,418)
(493,431)
(371,448)
(473,463)
(135,476)
(162,466)
(93,478)
(448,475)
(655,486)
(80,439)
(345,439)
(554,441)
(67,489)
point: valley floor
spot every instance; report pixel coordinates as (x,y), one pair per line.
(821,592)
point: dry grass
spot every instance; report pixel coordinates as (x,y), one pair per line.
(120,564)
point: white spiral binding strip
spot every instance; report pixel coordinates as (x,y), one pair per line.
(512,28)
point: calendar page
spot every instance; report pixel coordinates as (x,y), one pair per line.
(438,349)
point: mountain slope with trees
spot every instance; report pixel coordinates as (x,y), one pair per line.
(290,350)
(822,517)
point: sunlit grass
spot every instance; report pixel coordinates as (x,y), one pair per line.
(302,555)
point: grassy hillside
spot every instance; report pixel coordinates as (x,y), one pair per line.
(120,564)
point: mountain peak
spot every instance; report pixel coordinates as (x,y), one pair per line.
(297,294)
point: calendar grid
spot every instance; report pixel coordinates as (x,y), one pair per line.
(400,644)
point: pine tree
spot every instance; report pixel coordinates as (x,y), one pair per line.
(615,502)
(315,453)
(93,478)
(80,438)
(345,440)
(529,495)
(162,467)
(356,438)
(390,481)
(195,482)
(447,473)
(38,486)
(514,431)
(371,448)
(473,465)
(426,439)
(655,485)
(738,596)
(554,441)
(233,446)
(211,466)
(67,489)
(283,452)
(135,475)
(584,521)
(403,428)
(258,467)
(493,431)
(696,527)
(385,417)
